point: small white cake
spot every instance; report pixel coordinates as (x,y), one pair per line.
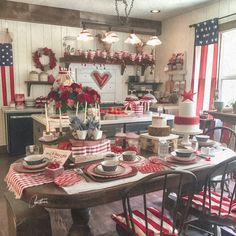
(158,127)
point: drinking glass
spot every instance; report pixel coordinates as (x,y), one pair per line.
(31,150)
(194,144)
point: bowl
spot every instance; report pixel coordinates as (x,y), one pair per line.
(183,152)
(202,138)
(109,165)
(129,155)
(110,156)
(34,159)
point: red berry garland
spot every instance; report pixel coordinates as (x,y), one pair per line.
(46,52)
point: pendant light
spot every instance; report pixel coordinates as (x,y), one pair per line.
(85,35)
(110,37)
(133,39)
(154,41)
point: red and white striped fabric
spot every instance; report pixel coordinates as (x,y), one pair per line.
(197,203)
(139,109)
(67,178)
(205,63)
(6,72)
(17,182)
(92,149)
(154,223)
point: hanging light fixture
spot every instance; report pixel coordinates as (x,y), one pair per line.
(133,39)
(127,10)
(85,35)
(110,37)
(154,41)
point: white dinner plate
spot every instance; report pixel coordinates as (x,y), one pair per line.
(119,170)
(43,140)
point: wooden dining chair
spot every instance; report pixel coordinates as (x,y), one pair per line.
(214,206)
(151,216)
(227,137)
(223,135)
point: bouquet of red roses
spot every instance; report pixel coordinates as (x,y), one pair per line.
(71,96)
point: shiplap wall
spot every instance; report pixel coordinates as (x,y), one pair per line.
(28,37)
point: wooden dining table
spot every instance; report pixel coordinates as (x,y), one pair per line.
(80,202)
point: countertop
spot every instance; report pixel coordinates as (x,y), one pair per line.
(129,119)
(22,110)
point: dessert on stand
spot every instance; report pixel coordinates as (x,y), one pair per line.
(187,123)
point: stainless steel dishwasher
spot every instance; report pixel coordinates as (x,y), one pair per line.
(19,131)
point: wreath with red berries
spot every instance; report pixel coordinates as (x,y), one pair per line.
(46,52)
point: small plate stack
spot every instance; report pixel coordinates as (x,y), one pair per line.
(29,102)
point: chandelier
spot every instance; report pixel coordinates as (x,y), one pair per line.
(127,5)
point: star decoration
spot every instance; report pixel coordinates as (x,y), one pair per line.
(187,95)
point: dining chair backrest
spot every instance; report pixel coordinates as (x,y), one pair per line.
(167,181)
(223,135)
(219,197)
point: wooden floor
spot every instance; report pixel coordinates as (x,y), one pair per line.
(101,224)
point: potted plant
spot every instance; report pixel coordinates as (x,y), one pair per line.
(94,126)
(218,105)
(79,127)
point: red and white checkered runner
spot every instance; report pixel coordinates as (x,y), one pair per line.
(17,182)
(92,149)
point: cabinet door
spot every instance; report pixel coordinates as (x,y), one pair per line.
(140,127)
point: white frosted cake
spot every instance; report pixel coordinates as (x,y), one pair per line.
(158,127)
(187,121)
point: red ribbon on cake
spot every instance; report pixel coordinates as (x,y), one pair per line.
(180,120)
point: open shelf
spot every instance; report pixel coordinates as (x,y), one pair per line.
(29,83)
(144,63)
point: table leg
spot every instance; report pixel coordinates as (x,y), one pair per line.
(80,226)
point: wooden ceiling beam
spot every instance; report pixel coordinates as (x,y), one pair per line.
(73,18)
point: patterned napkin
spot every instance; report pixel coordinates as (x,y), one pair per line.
(151,168)
(67,178)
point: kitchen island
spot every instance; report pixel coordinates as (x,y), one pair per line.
(110,127)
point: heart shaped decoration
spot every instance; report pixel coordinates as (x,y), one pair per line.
(100,79)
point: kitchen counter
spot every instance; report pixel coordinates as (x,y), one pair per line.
(22,110)
(123,120)
(110,127)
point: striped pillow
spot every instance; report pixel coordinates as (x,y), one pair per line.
(154,223)
(197,203)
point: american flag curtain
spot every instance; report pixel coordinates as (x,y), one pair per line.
(6,73)
(205,63)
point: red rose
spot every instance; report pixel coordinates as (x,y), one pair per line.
(81,98)
(70,102)
(65,96)
(88,98)
(76,86)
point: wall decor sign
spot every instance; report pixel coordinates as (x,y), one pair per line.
(101,79)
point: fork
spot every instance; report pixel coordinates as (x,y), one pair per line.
(81,173)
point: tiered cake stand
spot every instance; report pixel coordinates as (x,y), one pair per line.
(185,141)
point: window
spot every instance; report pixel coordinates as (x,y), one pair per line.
(227,67)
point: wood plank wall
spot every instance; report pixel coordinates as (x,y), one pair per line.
(28,37)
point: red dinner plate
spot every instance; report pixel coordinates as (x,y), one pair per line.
(173,160)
